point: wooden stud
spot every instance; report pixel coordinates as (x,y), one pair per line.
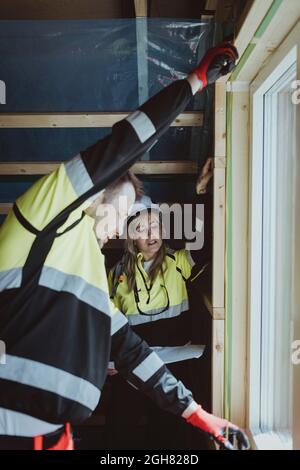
(27,168)
(241,14)
(140,8)
(224,10)
(50,120)
(220,162)
(181,167)
(218,288)
(220,119)
(206,17)
(140,168)
(240,252)
(218,367)
(263,31)
(218,298)
(165,168)
(210,8)
(211,4)
(247,26)
(216,313)
(5,207)
(260,46)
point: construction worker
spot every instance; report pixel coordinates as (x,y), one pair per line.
(56,318)
(149,286)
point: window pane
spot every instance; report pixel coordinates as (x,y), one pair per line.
(276,334)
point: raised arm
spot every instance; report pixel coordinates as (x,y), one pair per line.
(102,163)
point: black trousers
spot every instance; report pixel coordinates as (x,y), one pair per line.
(27,443)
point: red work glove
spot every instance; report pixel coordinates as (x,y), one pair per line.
(218,428)
(218,61)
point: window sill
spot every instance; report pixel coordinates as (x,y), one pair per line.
(270,441)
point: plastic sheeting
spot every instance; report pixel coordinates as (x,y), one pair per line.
(61,66)
(93,66)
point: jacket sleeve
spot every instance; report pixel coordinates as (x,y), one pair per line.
(143,369)
(99,165)
(136,134)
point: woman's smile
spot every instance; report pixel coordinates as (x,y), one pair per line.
(151,242)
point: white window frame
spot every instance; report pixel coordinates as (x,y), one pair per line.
(282,60)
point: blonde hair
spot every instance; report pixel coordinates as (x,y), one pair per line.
(131,252)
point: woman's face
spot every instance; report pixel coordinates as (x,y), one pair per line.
(147,234)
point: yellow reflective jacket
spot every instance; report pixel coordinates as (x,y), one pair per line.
(55,313)
(168,290)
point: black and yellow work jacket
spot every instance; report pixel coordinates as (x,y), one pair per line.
(158,309)
(56,318)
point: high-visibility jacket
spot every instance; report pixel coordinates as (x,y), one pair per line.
(55,315)
(165,298)
(160,312)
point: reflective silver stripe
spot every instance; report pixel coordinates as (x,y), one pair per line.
(190,410)
(10,279)
(142,125)
(117,322)
(152,145)
(78,175)
(51,379)
(131,384)
(13,423)
(172,312)
(190,259)
(195,83)
(76,285)
(168,383)
(148,367)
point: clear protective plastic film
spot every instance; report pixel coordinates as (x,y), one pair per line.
(83,66)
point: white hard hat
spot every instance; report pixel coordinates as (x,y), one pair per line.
(142,204)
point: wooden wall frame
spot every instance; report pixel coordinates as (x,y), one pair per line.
(159,167)
(141,168)
(259,35)
(218,277)
(262,32)
(107,120)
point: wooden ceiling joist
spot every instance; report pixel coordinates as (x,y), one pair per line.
(44,120)
(140,168)
(5,207)
(211,4)
(140,8)
(181,167)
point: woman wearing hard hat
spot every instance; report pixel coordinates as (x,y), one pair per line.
(149,286)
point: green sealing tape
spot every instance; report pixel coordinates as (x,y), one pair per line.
(258,34)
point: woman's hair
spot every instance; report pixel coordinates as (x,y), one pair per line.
(131,252)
